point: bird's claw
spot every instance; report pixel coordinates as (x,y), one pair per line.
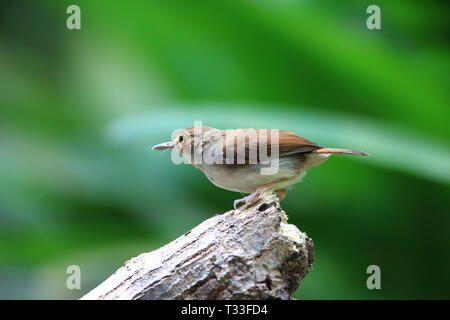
(236,202)
(248,199)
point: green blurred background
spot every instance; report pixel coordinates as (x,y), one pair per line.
(79,111)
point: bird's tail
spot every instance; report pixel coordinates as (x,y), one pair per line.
(346,151)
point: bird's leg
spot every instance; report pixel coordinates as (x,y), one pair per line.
(251,198)
(247,199)
(281,193)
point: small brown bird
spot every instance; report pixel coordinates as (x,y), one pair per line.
(248,160)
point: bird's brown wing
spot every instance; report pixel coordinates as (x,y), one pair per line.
(263,142)
(290,143)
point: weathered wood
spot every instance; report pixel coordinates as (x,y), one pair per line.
(248,253)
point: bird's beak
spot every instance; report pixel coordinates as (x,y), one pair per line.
(163,146)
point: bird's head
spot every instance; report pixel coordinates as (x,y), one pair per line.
(190,140)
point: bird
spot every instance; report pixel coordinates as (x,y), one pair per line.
(250,160)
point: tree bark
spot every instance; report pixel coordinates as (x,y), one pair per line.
(248,253)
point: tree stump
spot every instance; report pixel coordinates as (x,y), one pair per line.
(247,253)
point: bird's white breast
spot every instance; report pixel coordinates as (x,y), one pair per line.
(248,178)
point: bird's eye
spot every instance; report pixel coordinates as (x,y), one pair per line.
(180,139)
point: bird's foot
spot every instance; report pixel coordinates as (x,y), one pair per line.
(250,199)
